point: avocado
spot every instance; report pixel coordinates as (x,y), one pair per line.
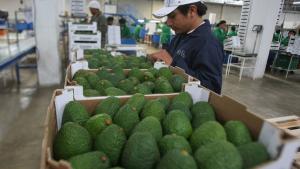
(165,72)
(237,133)
(75,112)
(149,124)
(182,107)
(206,133)
(177,159)
(137,102)
(112,91)
(135,72)
(109,106)
(91,93)
(82,82)
(153,108)
(141,88)
(148,76)
(177,122)
(81,73)
(111,141)
(127,117)
(134,80)
(90,160)
(97,123)
(93,63)
(218,154)
(173,141)
(165,101)
(153,71)
(162,86)
(177,82)
(102,85)
(92,78)
(150,85)
(140,151)
(202,112)
(71,140)
(253,154)
(184,98)
(103,74)
(126,85)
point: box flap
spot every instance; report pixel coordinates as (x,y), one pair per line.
(60,102)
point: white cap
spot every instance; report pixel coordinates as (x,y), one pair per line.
(94,4)
(170,6)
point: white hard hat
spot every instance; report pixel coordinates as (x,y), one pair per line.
(94,4)
(171,5)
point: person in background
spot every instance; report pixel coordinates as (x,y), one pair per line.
(110,20)
(165,36)
(285,41)
(100,19)
(137,31)
(232,32)
(220,31)
(125,31)
(194,48)
(276,36)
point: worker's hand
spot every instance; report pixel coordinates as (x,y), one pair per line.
(162,55)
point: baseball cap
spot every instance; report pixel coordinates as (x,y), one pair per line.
(171,5)
(94,4)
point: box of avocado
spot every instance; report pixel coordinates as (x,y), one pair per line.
(195,129)
(98,58)
(123,82)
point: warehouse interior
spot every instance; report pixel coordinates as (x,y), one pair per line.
(264,76)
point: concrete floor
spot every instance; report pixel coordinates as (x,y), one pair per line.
(23,110)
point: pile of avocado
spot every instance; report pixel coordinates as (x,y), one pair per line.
(103,59)
(154,134)
(116,83)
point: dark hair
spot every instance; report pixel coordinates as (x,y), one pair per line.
(110,19)
(233,28)
(221,22)
(122,21)
(292,31)
(201,8)
(278,31)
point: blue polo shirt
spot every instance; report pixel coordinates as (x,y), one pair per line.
(200,54)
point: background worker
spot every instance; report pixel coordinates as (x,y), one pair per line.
(232,32)
(125,31)
(100,19)
(220,31)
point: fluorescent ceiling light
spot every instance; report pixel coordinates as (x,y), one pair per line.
(296,3)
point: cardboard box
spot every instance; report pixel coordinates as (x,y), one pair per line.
(280,145)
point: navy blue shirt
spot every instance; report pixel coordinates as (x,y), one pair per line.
(200,54)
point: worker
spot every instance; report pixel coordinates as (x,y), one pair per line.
(165,36)
(276,36)
(125,31)
(110,20)
(285,41)
(137,31)
(220,31)
(232,32)
(194,48)
(99,18)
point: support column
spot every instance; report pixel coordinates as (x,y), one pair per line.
(47,37)
(265,13)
